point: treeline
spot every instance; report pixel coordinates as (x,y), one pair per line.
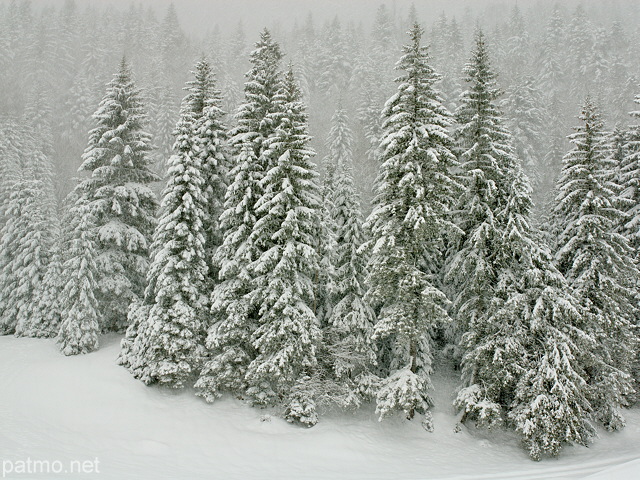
(259,278)
(54,64)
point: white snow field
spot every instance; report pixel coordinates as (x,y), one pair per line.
(58,408)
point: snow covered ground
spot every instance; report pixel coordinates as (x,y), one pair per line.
(78,408)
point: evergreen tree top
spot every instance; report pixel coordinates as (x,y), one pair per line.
(481,76)
(584,185)
(414,187)
(415,86)
(201,90)
(291,132)
(588,136)
(486,146)
(118,146)
(339,144)
(255,115)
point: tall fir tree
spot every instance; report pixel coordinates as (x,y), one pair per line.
(79,314)
(212,145)
(349,325)
(229,337)
(257,116)
(46,317)
(414,191)
(119,196)
(234,318)
(287,336)
(27,238)
(523,107)
(485,154)
(526,354)
(597,261)
(170,340)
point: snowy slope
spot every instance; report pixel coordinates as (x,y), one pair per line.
(67,408)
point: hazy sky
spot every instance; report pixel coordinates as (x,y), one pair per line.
(200,15)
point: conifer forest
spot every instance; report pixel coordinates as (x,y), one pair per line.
(306,208)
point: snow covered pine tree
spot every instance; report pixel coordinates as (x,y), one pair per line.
(414,191)
(79,314)
(524,350)
(598,262)
(288,215)
(167,343)
(349,325)
(118,196)
(234,317)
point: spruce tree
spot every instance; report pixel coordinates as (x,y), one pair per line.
(288,214)
(350,321)
(229,338)
(29,228)
(170,340)
(527,353)
(234,317)
(211,133)
(525,118)
(551,74)
(27,238)
(597,261)
(79,315)
(339,151)
(255,118)
(31,260)
(118,196)
(524,350)
(414,191)
(485,154)
(50,296)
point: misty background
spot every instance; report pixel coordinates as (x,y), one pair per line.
(56,57)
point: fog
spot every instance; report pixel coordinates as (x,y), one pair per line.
(59,54)
(313,207)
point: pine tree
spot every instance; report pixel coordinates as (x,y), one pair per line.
(46,317)
(525,119)
(164,113)
(376,74)
(118,195)
(28,226)
(31,260)
(24,254)
(350,323)
(526,354)
(170,340)
(80,320)
(173,49)
(414,192)
(255,117)
(516,46)
(486,155)
(551,163)
(579,46)
(551,74)
(334,61)
(228,339)
(550,402)
(234,318)
(597,261)
(211,132)
(288,213)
